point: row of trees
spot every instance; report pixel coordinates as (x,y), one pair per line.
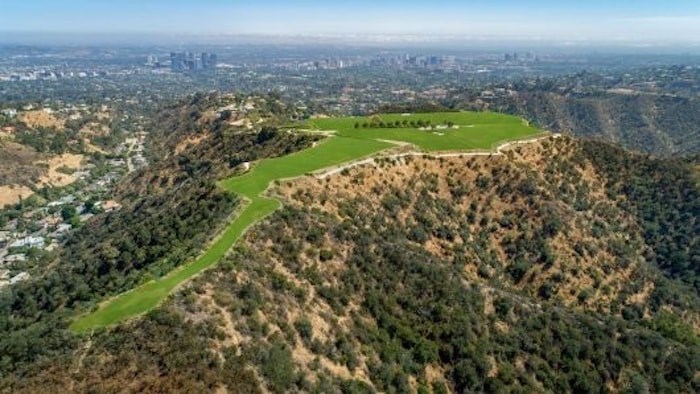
(377,123)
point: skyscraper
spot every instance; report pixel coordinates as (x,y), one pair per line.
(187,61)
(208,61)
(178,61)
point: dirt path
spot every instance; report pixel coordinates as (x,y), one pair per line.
(79,363)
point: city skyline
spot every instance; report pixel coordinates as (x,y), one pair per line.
(642,21)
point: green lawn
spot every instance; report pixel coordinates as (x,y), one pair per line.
(476,131)
(330,152)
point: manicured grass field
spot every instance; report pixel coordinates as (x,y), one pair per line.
(330,152)
(472,131)
(475,131)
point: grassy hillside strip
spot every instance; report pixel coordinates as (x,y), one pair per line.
(250,186)
(462,131)
(170,211)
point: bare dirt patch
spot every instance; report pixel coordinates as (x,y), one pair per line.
(17,164)
(94,128)
(54,176)
(90,147)
(190,142)
(12,194)
(41,118)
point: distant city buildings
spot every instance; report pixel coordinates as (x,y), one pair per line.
(209,60)
(515,57)
(189,62)
(181,62)
(152,61)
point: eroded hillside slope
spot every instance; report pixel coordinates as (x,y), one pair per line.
(533,271)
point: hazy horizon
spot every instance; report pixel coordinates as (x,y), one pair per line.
(625,22)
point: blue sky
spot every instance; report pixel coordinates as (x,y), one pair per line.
(667,20)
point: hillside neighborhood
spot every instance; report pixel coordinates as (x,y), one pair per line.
(36,221)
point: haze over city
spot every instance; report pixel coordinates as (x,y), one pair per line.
(644,22)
